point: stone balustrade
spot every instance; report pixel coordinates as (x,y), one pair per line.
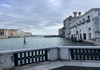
(10,59)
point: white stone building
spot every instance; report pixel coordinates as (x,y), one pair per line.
(61,32)
(83,27)
(27,34)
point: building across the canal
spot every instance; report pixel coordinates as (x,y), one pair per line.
(82,27)
(5,33)
(25,34)
(9,33)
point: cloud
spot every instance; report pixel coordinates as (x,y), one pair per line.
(1,13)
(40,16)
(6,5)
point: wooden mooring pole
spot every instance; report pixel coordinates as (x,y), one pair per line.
(24,39)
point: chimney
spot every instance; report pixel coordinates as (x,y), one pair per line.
(79,14)
(75,14)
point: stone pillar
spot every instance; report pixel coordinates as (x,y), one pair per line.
(64,54)
(6,61)
(53,54)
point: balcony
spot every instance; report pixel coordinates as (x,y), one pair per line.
(79,24)
(82,23)
(50,58)
(88,20)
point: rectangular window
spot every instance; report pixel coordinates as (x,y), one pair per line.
(98,14)
(80,22)
(83,21)
(88,19)
(80,36)
(84,36)
(89,36)
(89,29)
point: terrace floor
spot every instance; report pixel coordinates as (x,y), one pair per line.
(61,65)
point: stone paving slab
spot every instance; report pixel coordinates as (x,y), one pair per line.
(55,64)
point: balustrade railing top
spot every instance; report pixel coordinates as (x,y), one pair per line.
(31,49)
(25,50)
(89,47)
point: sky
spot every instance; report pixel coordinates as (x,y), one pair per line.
(41,17)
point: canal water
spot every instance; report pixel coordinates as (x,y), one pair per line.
(37,42)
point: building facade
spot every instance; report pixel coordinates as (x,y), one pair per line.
(27,34)
(83,27)
(6,33)
(10,33)
(61,32)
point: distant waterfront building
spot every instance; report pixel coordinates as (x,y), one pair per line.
(6,33)
(9,33)
(25,34)
(61,32)
(83,27)
(28,34)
